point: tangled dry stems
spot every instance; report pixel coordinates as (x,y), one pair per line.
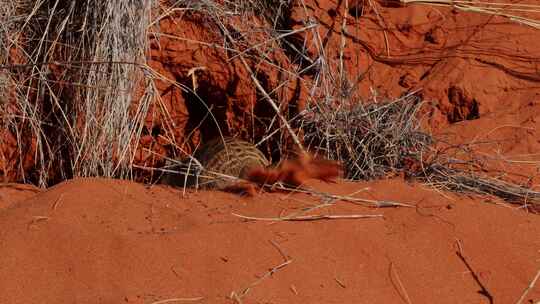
(377,139)
(371,139)
(448,178)
(74,94)
(516,12)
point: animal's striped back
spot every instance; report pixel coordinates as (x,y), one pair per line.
(218,157)
(227,156)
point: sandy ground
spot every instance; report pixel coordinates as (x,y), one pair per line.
(108,241)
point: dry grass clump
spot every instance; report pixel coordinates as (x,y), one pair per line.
(448,178)
(77,66)
(10,20)
(370,140)
(517,12)
(83,88)
(377,139)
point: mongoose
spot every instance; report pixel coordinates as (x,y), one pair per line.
(219,157)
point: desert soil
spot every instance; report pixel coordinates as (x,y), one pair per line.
(109,241)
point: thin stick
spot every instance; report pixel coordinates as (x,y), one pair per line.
(178,300)
(402,291)
(310,217)
(266,96)
(350,199)
(531,285)
(341,284)
(57,202)
(239,295)
(283,255)
(483,290)
(272,40)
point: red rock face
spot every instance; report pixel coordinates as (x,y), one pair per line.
(469,67)
(191,51)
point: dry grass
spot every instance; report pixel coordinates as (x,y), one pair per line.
(517,12)
(76,67)
(444,176)
(378,139)
(370,140)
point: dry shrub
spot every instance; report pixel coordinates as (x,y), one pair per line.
(443,175)
(371,140)
(12,97)
(377,139)
(77,67)
(83,89)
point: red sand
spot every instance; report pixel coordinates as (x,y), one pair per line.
(477,73)
(106,241)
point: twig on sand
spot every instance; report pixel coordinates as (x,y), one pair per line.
(355,200)
(178,300)
(57,202)
(341,284)
(283,254)
(531,285)
(515,12)
(371,139)
(294,290)
(310,217)
(300,215)
(37,219)
(237,296)
(483,290)
(401,290)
